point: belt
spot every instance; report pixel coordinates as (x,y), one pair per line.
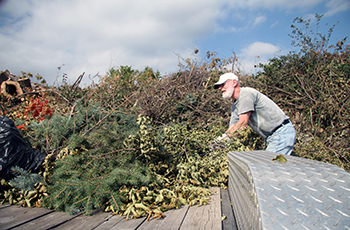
(286,121)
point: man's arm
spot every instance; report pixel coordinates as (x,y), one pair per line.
(242,123)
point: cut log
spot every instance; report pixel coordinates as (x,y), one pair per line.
(10,89)
(25,84)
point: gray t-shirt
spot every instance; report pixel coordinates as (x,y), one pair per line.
(265,114)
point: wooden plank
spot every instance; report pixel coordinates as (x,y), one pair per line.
(109,222)
(226,210)
(205,216)
(172,220)
(129,224)
(16,215)
(48,221)
(85,222)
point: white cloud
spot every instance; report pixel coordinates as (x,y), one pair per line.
(260,49)
(259,20)
(93,36)
(336,6)
(258,52)
(16,8)
(273,4)
(275,23)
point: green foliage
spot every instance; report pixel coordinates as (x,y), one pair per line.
(170,161)
(308,38)
(84,180)
(184,152)
(119,86)
(87,181)
(207,171)
(24,180)
(175,140)
(124,81)
(93,166)
(27,189)
(314,148)
(87,125)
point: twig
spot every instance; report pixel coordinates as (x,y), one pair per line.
(77,82)
(308,61)
(233,62)
(115,202)
(302,86)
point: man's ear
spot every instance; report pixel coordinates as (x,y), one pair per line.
(234,83)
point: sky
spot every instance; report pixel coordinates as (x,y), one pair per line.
(68,37)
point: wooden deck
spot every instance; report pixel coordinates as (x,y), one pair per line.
(195,217)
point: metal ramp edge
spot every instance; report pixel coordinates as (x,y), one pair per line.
(299,193)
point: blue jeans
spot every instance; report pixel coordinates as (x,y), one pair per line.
(282,140)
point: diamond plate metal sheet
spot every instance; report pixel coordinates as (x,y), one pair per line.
(297,194)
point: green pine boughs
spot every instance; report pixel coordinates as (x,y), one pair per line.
(85,182)
(155,170)
(25,180)
(151,170)
(26,189)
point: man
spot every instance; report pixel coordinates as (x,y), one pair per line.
(259,112)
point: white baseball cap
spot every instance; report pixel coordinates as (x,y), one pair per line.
(223,78)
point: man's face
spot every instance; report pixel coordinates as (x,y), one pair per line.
(227,89)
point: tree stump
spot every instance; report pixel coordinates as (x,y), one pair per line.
(11,88)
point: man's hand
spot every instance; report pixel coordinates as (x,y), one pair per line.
(242,123)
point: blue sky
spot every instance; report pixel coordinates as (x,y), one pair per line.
(91,36)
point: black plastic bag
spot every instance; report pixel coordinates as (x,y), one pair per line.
(14,151)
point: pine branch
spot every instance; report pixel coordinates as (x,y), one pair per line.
(99,122)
